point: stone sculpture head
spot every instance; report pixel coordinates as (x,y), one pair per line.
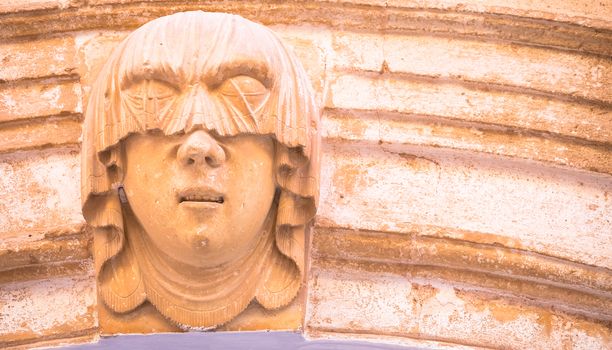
(200,169)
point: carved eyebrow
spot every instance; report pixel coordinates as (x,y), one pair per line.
(164,74)
(255,69)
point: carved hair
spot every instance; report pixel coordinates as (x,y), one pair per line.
(199,47)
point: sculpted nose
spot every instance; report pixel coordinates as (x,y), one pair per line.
(201,149)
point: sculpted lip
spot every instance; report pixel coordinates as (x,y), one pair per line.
(200,195)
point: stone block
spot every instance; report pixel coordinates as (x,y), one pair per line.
(32,5)
(40,133)
(38,58)
(41,98)
(312,46)
(553,211)
(379,126)
(40,192)
(524,67)
(433,97)
(490,263)
(398,308)
(590,13)
(33,254)
(93,49)
(35,311)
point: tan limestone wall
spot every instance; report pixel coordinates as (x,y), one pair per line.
(466,170)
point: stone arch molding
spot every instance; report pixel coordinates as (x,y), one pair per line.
(200,167)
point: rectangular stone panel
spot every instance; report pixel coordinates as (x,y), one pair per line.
(40,192)
(37,58)
(39,133)
(471,103)
(389,187)
(39,98)
(56,308)
(31,254)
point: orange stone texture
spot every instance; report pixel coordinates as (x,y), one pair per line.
(466,171)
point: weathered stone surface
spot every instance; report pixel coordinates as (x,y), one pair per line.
(93,50)
(453,99)
(390,127)
(389,187)
(524,29)
(489,265)
(39,133)
(381,304)
(513,65)
(31,5)
(40,98)
(45,309)
(37,58)
(312,45)
(596,13)
(39,193)
(34,252)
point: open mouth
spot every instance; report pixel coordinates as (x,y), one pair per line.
(201,195)
(201,199)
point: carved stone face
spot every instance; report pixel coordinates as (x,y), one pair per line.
(201,199)
(209,125)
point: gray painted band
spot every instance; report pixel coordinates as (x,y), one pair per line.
(229,341)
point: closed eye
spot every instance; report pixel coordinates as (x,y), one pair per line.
(244,96)
(151,89)
(242,85)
